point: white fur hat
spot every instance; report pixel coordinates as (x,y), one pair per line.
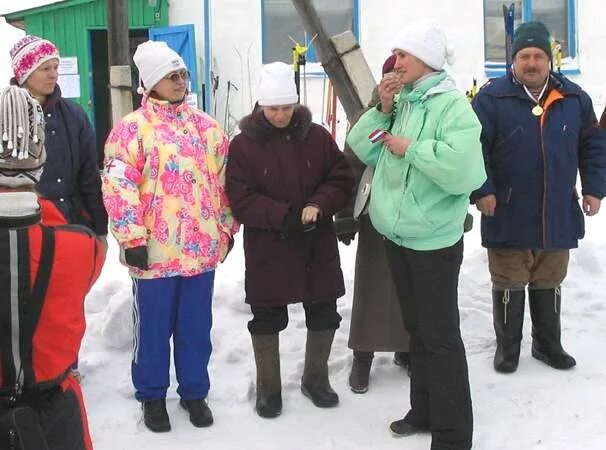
(155,60)
(277,86)
(426,41)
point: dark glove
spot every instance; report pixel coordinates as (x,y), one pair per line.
(137,257)
(346,238)
(230,245)
(468,224)
(293,227)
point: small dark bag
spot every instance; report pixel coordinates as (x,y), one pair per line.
(20,429)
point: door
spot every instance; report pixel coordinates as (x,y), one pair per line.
(181,39)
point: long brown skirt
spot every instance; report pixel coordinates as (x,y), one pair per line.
(376,317)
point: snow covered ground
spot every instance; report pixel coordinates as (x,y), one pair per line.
(535,408)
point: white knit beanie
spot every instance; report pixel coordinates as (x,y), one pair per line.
(426,41)
(155,60)
(277,86)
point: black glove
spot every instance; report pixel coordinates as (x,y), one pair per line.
(346,238)
(292,225)
(137,257)
(468,224)
(230,245)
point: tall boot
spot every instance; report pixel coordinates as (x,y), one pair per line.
(508,318)
(314,383)
(360,371)
(546,330)
(269,384)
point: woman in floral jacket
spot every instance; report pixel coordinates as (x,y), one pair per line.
(163,187)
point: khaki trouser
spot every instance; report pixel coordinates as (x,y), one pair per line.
(537,269)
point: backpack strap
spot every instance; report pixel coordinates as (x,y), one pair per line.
(29,315)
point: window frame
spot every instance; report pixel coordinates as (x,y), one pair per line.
(569,64)
(314,68)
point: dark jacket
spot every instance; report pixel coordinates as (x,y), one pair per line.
(532,163)
(271,171)
(603,119)
(71,177)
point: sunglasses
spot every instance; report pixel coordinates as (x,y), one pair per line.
(175,76)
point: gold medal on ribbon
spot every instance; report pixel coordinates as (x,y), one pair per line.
(537,110)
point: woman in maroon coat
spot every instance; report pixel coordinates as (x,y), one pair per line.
(286,178)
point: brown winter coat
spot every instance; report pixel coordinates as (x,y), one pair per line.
(271,171)
(603,119)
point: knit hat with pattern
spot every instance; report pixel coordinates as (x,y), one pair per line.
(22,152)
(30,53)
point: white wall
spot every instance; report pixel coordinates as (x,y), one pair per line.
(186,12)
(9,37)
(236,24)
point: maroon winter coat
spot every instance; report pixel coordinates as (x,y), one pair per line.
(269,172)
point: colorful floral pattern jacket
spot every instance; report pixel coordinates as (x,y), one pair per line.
(164,187)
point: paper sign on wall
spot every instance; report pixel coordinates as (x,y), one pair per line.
(70,85)
(68,65)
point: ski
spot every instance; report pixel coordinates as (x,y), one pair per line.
(508,16)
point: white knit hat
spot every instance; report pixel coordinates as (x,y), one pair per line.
(155,60)
(277,86)
(426,41)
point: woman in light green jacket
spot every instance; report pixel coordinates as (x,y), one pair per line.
(424,141)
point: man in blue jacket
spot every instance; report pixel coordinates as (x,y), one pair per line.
(539,130)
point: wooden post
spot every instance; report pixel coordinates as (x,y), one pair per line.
(121,100)
(330,59)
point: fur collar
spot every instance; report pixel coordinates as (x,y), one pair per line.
(256,127)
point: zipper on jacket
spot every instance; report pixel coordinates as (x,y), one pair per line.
(407,174)
(14,296)
(543,213)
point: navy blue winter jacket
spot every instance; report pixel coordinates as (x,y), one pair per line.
(532,163)
(71,178)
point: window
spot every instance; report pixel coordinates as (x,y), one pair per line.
(281,22)
(557,15)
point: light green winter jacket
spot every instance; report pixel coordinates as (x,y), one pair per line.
(419,200)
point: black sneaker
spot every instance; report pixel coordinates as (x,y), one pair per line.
(401,428)
(155,415)
(200,414)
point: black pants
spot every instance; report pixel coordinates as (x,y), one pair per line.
(427,283)
(319,316)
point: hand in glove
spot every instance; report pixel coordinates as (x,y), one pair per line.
(230,245)
(292,226)
(346,238)
(137,257)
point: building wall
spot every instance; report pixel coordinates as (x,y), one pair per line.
(380,20)
(186,12)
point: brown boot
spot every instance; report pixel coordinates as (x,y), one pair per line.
(269,384)
(314,383)
(360,371)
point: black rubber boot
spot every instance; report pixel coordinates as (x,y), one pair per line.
(314,383)
(546,330)
(200,414)
(155,415)
(360,371)
(402,359)
(269,384)
(508,319)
